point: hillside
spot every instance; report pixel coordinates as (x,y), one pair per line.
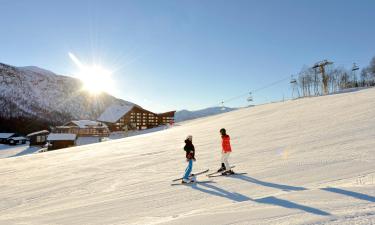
(32,98)
(183,115)
(309,161)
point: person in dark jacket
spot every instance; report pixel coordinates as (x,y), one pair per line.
(190,157)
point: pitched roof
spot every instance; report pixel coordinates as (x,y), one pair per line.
(18,138)
(114,113)
(87,123)
(38,132)
(61,137)
(6,135)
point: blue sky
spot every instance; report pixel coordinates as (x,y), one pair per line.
(172,55)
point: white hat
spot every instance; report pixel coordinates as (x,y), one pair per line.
(189,137)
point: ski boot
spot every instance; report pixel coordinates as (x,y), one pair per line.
(222,168)
(228,172)
(187,181)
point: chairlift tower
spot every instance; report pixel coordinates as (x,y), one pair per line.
(354,69)
(320,68)
(294,84)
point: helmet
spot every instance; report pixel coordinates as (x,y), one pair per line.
(223,131)
(189,137)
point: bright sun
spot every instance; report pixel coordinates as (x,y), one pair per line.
(95,78)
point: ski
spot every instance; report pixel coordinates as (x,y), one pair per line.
(192,183)
(227,175)
(192,175)
(210,174)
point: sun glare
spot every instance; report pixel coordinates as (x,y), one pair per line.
(95,78)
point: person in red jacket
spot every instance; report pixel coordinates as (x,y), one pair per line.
(226,150)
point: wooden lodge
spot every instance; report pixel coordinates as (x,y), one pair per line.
(38,138)
(58,141)
(166,118)
(84,128)
(133,117)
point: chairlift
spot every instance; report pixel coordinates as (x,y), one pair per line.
(222,106)
(355,67)
(250,98)
(293,80)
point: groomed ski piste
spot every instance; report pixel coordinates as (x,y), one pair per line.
(308,161)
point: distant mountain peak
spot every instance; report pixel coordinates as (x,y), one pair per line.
(183,115)
(33,92)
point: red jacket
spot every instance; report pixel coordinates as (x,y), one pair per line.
(225,143)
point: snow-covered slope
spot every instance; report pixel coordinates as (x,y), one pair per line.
(188,115)
(38,93)
(309,161)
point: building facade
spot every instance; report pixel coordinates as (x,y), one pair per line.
(38,138)
(133,117)
(58,141)
(84,128)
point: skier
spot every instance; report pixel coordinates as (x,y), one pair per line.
(226,150)
(190,157)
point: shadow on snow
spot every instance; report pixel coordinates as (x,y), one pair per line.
(27,151)
(291,205)
(213,190)
(351,194)
(216,191)
(268,184)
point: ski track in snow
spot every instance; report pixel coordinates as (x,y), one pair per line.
(308,161)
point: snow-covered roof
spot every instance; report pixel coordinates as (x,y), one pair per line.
(18,138)
(61,137)
(6,135)
(38,132)
(114,113)
(88,123)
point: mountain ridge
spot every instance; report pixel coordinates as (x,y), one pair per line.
(34,94)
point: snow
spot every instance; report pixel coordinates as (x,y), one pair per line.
(309,161)
(18,138)
(18,150)
(38,132)
(6,135)
(88,123)
(189,115)
(87,140)
(61,137)
(114,113)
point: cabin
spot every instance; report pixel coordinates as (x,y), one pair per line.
(17,140)
(38,138)
(5,136)
(84,128)
(58,141)
(131,117)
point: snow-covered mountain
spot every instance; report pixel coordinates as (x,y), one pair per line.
(308,161)
(32,92)
(188,115)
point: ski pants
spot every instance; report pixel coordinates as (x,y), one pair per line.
(188,170)
(224,159)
